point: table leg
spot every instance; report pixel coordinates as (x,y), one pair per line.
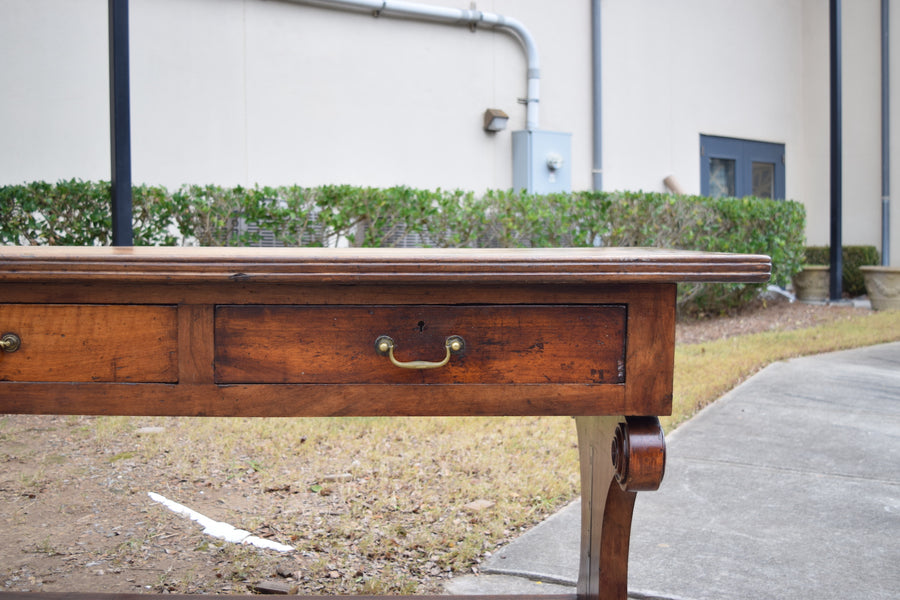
(618,458)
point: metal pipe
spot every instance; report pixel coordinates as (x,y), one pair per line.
(120,124)
(836,258)
(885,137)
(596,98)
(458,16)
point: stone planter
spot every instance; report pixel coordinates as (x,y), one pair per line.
(883,287)
(811,284)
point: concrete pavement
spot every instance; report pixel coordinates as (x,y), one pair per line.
(787,487)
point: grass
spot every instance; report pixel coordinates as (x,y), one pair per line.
(704,372)
(399,521)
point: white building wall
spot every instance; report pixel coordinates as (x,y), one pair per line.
(861,124)
(861,74)
(755,70)
(54,99)
(811,165)
(189,92)
(273,92)
(675,70)
(389,101)
(895,137)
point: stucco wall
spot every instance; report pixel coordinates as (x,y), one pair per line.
(861,124)
(895,138)
(755,70)
(54,100)
(675,70)
(861,74)
(272,92)
(811,165)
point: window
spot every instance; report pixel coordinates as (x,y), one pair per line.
(734,167)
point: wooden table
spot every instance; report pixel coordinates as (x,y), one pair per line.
(351,332)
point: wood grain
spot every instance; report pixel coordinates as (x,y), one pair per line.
(90,343)
(195,343)
(606,513)
(650,360)
(338,400)
(504,344)
(374,265)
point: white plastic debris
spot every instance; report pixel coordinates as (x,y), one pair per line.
(218,529)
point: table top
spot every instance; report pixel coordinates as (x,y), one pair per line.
(377,265)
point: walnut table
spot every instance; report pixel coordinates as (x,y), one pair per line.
(351,332)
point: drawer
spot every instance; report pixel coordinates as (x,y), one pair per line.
(515,344)
(90,343)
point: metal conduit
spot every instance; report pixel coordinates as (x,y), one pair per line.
(596,98)
(456,16)
(885,138)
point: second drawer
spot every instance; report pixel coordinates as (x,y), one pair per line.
(524,344)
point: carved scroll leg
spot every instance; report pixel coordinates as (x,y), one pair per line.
(618,459)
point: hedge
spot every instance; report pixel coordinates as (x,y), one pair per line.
(77,213)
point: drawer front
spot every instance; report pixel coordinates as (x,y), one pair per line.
(518,344)
(90,343)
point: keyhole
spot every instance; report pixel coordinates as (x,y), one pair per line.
(421,325)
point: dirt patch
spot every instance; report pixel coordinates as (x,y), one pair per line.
(76,514)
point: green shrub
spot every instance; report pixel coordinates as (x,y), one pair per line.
(77,213)
(69,213)
(852,257)
(744,225)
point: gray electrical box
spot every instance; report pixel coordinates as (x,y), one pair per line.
(542,161)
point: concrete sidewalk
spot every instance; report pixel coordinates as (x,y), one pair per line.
(788,487)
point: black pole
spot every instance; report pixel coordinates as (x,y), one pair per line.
(120,123)
(836,258)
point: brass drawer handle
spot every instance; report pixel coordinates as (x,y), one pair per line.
(454,344)
(10,342)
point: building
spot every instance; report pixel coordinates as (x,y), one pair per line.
(287,92)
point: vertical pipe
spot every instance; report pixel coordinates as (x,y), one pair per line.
(120,123)
(836,258)
(885,137)
(597,99)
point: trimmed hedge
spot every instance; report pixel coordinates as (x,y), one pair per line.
(853,257)
(77,213)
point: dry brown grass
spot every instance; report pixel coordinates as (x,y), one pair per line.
(372,505)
